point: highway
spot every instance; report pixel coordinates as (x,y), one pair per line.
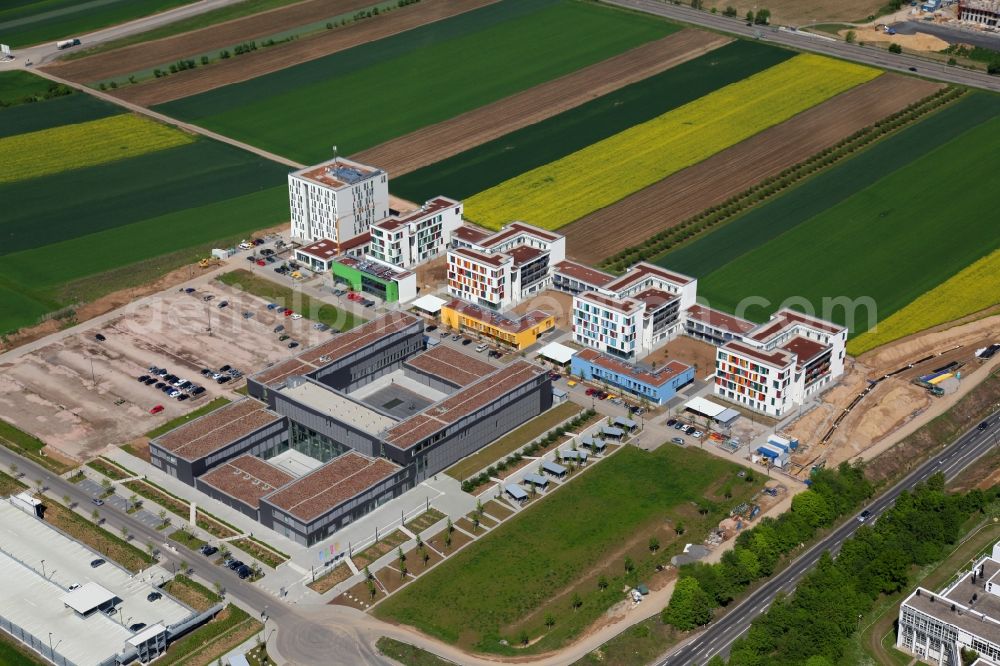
(719,637)
(868,55)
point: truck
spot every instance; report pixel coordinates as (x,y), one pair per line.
(67,43)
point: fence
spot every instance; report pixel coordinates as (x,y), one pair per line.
(40,646)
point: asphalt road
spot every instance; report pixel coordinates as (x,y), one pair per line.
(298,639)
(718,637)
(868,55)
(988,40)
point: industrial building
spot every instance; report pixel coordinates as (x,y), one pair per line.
(337,200)
(497,270)
(655,385)
(936,626)
(328,435)
(69,612)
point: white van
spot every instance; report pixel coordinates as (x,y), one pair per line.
(482,347)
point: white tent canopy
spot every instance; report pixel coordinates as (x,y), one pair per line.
(429,304)
(554,351)
(711,409)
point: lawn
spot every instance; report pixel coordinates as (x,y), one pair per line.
(181,420)
(186,539)
(515,439)
(524,569)
(9,485)
(27,22)
(12,653)
(492,163)
(18,87)
(563,191)
(882,246)
(192,593)
(318,311)
(408,654)
(127,220)
(442,69)
(974,288)
(59,149)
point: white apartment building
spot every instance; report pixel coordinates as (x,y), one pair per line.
(498,270)
(337,200)
(408,239)
(935,627)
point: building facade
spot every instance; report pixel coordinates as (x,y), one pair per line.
(337,200)
(979,12)
(513,332)
(410,239)
(375,277)
(655,385)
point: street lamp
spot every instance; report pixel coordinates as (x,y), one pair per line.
(43,569)
(51,651)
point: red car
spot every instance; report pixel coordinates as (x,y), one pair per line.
(261,262)
(288,313)
(591,391)
(156,410)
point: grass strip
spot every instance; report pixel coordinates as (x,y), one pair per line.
(313,309)
(191,592)
(29,446)
(408,654)
(186,539)
(181,420)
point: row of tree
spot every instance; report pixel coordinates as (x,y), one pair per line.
(814,626)
(703,587)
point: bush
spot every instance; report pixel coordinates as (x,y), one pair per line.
(895,48)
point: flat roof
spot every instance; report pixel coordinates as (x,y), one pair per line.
(703,406)
(623,305)
(643,271)
(785,319)
(88,597)
(641,374)
(451,365)
(428,303)
(417,428)
(525,254)
(323,249)
(429,209)
(481,257)
(337,173)
(374,268)
(247,479)
(329,402)
(585,274)
(515,229)
(146,634)
(357,338)
(515,491)
(470,233)
(336,482)
(777,358)
(557,352)
(215,430)
(970,620)
(805,349)
(497,320)
(655,298)
(717,319)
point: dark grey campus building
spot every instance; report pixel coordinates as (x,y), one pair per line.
(374,409)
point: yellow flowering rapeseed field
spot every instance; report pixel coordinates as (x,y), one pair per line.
(558,193)
(86,144)
(974,288)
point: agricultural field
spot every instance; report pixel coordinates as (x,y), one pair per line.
(826,238)
(558,193)
(510,155)
(533,565)
(974,288)
(131,192)
(477,57)
(18,87)
(28,22)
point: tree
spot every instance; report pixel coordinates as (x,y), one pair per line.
(895,48)
(851,37)
(400,554)
(424,555)
(689,605)
(763,17)
(106,485)
(679,528)
(749,17)
(576,602)
(475,522)
(730,11)
(149,549)
(450,528)
(550,620)
(402,570)
(654,544)
(523,637)
(993,67)
(629,565)
(813,508)
(696,4)
(96,515)
(13,470)
(66,500)
(447,539)
(602,583)
(163,516)
(124,532)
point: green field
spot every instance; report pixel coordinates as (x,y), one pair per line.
(883,225)
(514,576)
(492,163)
(119,223)
(18,87)
(27,22)
(438,71)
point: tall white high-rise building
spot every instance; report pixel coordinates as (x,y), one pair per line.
(338,200)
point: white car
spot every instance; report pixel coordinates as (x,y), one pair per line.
(180,380)
(74,586)
(698,434)
(296,315)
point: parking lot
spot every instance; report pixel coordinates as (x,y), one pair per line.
(79,393)
(119,502)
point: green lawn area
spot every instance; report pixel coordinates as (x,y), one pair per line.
(408,654)
(187,539)
(27,22)
(855,208)
(515,439)
(13,653)
(19,87)
(476,58)
(181,420)
(491,163)
(316,310)
(114,225)
(28,446)
(524,569)
(9,485)
(191,592)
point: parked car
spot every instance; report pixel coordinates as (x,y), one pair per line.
(279,328)
(261,262)
(697,434)
(207,298)
(182,397)
(252,258)
(96,563)
(223,379)
(466,342)
(690,430)
(156,410)
(189,290)
(671,423)
(205,372)
(197,390)
(74,586)
(97,501)
(293,344)
(244,572)
(677,440)
(100,338)
(296,315)
(142,378)
(225,368)
(223,304)
(267,252)
(272,306)
(173,393)
(153,596)
(430,328)
(137,626)
(235,564)
(150,381)
(288,313)
(283,338)
(679,425)
(160,385)
(258,241)
(208,551)
(457,336)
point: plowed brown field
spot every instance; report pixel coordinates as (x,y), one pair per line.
(264,61)
(437,142)
(674,199)
(223,35)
